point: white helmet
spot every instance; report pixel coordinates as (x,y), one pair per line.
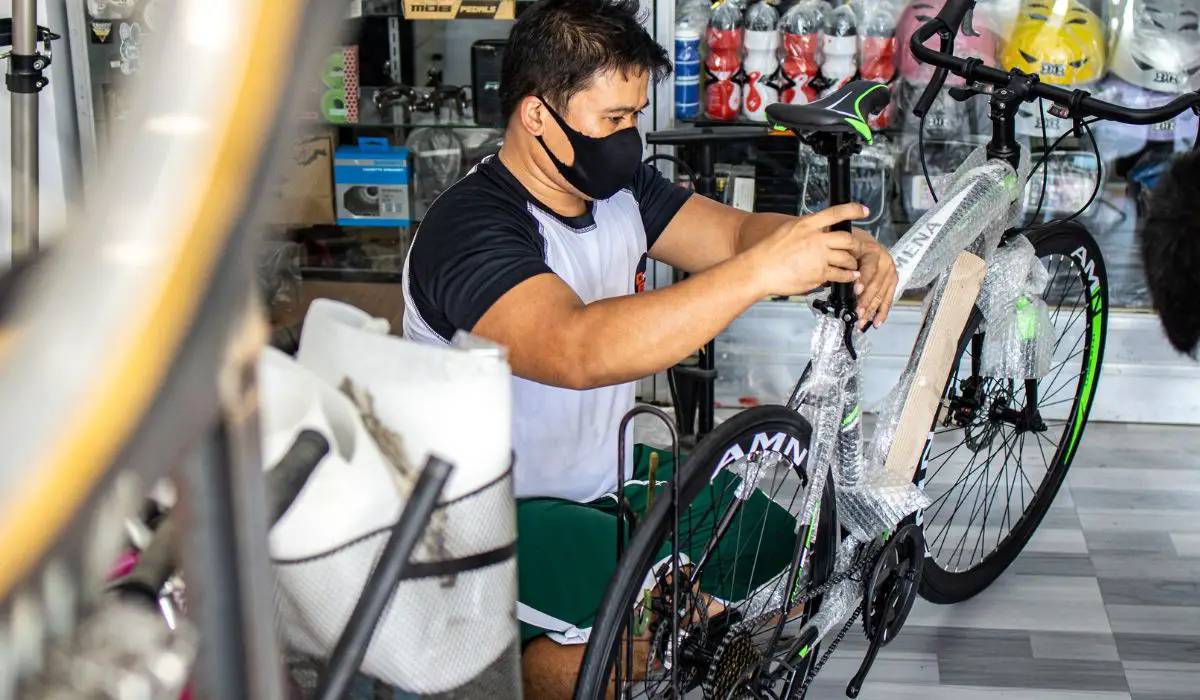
(1157,45)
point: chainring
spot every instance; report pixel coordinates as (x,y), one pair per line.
(891,586)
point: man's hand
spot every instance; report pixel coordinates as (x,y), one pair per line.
(877,285)
(804,254)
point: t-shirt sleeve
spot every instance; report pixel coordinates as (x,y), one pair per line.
(659,200)
(462,273)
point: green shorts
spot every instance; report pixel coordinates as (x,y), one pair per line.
(567,551)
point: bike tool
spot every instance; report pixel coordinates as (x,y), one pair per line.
(694,378)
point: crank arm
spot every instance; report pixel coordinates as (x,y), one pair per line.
(856,683)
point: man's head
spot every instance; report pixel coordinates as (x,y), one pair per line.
(1171,252)
(579,66)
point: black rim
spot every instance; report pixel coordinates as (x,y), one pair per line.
(992,457)
(721,650)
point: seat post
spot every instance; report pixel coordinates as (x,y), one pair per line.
(837,150)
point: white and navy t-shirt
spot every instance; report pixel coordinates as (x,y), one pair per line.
(487,234)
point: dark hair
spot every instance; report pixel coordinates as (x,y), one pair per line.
(558,46)
(1170,248)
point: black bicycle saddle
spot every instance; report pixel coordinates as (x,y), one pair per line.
(845,110)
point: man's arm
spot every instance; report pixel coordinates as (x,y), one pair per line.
(554,338)
(705,233)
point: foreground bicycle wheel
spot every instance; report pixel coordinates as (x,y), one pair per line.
(1001,448)
(722,531)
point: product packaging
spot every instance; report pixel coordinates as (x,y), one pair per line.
(371,184)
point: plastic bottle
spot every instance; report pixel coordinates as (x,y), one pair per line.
(840,46)
(877,53)
(687,69)
(723,69)
(762,43)
(801,27)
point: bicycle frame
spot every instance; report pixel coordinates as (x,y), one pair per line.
(982,203)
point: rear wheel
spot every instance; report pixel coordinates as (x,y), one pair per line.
(1001,448)
(727,540)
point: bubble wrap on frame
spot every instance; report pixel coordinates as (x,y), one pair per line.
(1020,333)
(979,206)
(839,603)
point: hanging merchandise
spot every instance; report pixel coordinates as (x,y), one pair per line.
(802,28)
(872,172)
(1157,44)
(437,155)
(130,49)
(150,15)
(762,67)
(1060,42)
(111,9)
(947,118)
(877,54)
(723,94)
(1118,140)
(1070,180)
(975,39)
(942,158)
(840,46)
(687,69)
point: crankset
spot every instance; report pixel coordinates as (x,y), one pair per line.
(891,588)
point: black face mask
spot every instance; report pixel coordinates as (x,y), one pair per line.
(602,165)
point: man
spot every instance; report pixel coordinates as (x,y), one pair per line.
(538,249)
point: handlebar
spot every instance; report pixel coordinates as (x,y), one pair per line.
(946,26)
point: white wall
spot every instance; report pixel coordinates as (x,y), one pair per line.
(61,179)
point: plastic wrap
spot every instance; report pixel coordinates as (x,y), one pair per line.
(965,220)
(1156,44)
(838,604)
(1020,337)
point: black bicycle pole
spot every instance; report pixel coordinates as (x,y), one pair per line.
(839,193)
(352,645)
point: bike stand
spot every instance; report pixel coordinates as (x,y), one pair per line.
(694,379)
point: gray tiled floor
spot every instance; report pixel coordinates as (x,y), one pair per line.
(1103,605)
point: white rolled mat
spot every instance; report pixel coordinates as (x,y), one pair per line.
(438,632)
(441,400)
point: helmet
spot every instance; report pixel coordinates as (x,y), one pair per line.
(974,39)
(1157,46)
(1062,47)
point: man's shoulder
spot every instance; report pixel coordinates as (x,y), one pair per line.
(478,206)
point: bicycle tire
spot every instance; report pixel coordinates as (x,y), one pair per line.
(1071,242)
(654,529)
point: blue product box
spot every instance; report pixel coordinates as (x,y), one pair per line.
(371,184)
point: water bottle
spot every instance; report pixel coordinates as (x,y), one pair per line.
(762,41)
(687,69)
(840,46)
(877,54)
(801,27)
(723,69)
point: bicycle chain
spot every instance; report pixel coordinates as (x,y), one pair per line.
(867,558)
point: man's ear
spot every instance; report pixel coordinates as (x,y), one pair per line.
(532,115)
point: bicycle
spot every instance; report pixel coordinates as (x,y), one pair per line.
(872,525)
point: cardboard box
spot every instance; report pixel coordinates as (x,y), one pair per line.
(371,184)
(460,9)
(304,193)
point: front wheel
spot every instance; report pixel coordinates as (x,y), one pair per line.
(1001,448)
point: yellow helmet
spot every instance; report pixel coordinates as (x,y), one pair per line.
(1059,40)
